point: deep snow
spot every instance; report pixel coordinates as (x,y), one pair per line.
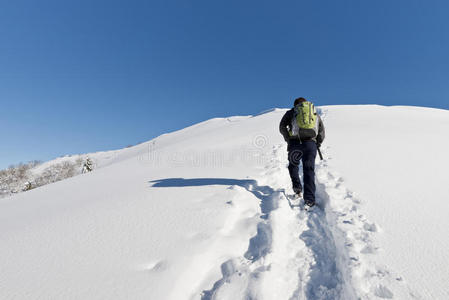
(202,213)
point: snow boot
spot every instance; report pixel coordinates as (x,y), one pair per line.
(309,205)
(298,192)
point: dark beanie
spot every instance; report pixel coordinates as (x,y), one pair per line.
(299,100)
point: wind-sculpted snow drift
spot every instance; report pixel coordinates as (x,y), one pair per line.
(202,213)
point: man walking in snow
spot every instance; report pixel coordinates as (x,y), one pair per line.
(303,130)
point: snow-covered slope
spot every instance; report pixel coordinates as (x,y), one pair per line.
(201,213)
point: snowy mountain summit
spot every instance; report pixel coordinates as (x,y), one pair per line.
(202,213)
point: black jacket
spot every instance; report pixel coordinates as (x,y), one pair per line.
(286,122)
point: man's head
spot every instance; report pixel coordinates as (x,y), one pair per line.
(299,100)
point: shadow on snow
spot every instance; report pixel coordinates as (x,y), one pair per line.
(260,244)
(263,193)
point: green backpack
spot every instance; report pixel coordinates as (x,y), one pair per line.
(305,121)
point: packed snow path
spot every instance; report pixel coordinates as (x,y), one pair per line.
(322,254)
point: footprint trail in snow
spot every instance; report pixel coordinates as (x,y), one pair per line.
(322,254)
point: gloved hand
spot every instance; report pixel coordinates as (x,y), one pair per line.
(318,145)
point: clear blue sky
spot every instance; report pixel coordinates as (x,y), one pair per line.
(83,76)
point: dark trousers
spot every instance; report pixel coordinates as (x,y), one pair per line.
(305,152)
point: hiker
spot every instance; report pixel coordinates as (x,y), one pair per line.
(303,130)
